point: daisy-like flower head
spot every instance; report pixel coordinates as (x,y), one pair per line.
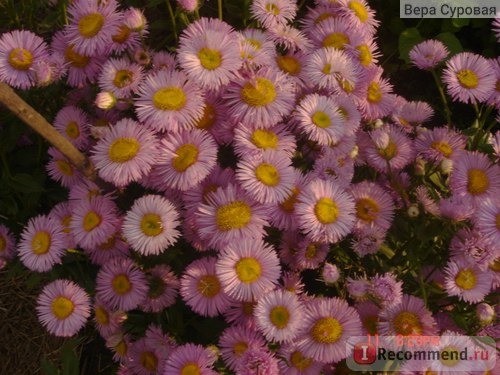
(150,224)
(63,308)
(94,221)
(257,362)
(201,288)
(469,78)
(248,269)
(143,359)
(367,240)
(113,247)
(410,317)
(256,47)
(328,323)
(358,288)
(368,312)
(163,288)
(487,219)
(374,206)
(463,278)
(168,101)
(474,246)
(426,201)
(292,64)
(359,13)
(325,212)
(236,340)
(453,344)
(92,25)
(163,60)
(257,140)
(190,359)
(279,315)
(439,143)
(121,77)
(294,362)
(271,13)
(290,38)
(107,321)
(125,153)
(185,159)
(20,50)
(378,100)
(386,289)
(334,33)
(309,254)
(73,124)
(121,284)
(412,114)
(364,50)
(428,54)
(230,215)
(188,5)
(319,118)
(334,166)
(7,243)
(260,100)
(119,343)
(474,176)
(42,244)
(61,170)
(268,178)
(456,207)
(130,26)
(208,55)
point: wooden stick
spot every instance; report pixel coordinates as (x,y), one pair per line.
(37,122)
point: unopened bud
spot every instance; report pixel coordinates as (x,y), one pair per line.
(330,273)
(413,211)
(446,166)
(485,313)
(420,166)
(105,100)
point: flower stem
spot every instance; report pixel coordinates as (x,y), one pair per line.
(219,9)
(172,19)
(447,112)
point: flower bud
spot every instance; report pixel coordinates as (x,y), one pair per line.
(446,166)
(485,313)
(330,273)
(413,210)
(105,100)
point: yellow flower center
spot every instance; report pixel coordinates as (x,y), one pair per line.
(327,69)
(121,284)
(443,147)
(248,270)
(122,35)
(151,225)
(273,9)
(289,65)
(321,119)
(123,77)
(248,308)
(288,205)
(108,244)
(365,56)
(336,40)
(430,372)
(299,361)
(389,151)
(467,78)
(208,286)
(239,348)
(72,130)
(190,368)
(149,361)
(75,59)
(311,250)
(169,99)
(210,59)
(187,155)
(477,181)
(90,24)
(91,220)
(495,265)
(40,243)
(374,93)
(62,307)
(407,323)
(359,10)
(208,119)
(64,167)
(267,174)
(234,215)
(279,316)
(264,139)
(367,209)
(326,330)
(370,324)
(123,149)
(326,211)
(345,85)
(262,93)
(254,43)
(452,356)
(466,279)
(20,59)
(101,316)
(66,221)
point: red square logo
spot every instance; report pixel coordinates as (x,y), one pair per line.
(364,353)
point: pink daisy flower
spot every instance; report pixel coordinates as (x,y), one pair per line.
(201,288)
(428,54)
(262,99)
(327,324)
(163,288)
(325,212)
(364,50)
(113,247)
(368,312)
(255,141)
(257,362)
(248,269)
(279,315)
(107,321)
(168,101)
(386,290)
(374,206)
(63,308)
(20,50)
(236,340)
(378,100)
(334,166)
(309,254)
(150,224)
(359,14)
(412,114)
(474,246)
(456,207)
(333,32)
(475,176)
(163,60)
(271,13)
(439,143)
(94,221)
(289,38)
(358,288)
(121,77)
(190,359)
(469,78)
(126,153)
(291,63)
(294,362)
(7,243)
(91,26)
(463,278)
(131,26)
(143,359)
(256,47)
(368,240)
(229,215)
(73,124)
(319,118)
(487,219)
(61,170)
(268,178)
(119,343)
(209,54)
(185,159)
(121,284)
(42,244)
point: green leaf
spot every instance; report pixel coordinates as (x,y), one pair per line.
(407,40)
(25,183)
(70,363)
(450,41)
(460,22)
(48,368)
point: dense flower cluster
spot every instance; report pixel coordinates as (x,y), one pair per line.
(260,152)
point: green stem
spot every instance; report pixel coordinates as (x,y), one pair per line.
(387,251)
(219,9)
(172,19)
(447,112)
